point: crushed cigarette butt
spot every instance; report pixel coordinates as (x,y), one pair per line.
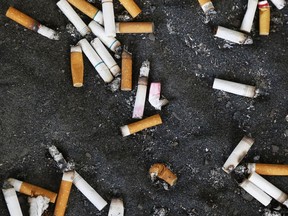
(38,205)
(154,96)
(161,171)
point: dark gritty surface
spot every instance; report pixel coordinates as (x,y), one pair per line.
(201,126)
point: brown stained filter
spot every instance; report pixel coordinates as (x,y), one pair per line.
(145,123)
(135,27)
(126,73)
(32,190)
(77,68)
(131,7)
(85,7)
(271,169)
(162,172)
(22,19)
(264,20)
(202,2)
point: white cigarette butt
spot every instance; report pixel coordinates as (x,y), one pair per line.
(280,4)
(109,18)
(233,36)
(12,201)
(249,16)
(116,208)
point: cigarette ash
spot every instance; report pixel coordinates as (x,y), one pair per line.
(62,164)
(124,17)
(115,84)
(216,178)
(268,212)
(199,49)
(160,211)
(145,68)
(170,27)
(130,100)
(73,31)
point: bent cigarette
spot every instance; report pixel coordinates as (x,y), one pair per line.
(31,23)
(256,192)
(207,6)
(32,190)
(11,199)
(38,205)
(280,4)
(77,66)
(161,171)
(111,42)
(132,8)
(73,17)
(106,56)
(89,192)
(238,154)
(109,18)
(268,169)
(64,193)
(116,207)
(141,90)
(234,88)
(96,61)
(233,36)
(141,125)
(154,96)
(267,187)
(88,9)
(249,16)
(134,27)
(126,75)
(264,17)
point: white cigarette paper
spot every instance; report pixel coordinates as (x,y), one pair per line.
(233,36)
(89,192)
(238,154)
(249,16)
(154,96)
(256,192)
(280,4)
(111,42)
(106,56)
(73,17)
(235,88)
(12,201)
(38,205)
(141,91)
(47,32)
(116,208)
(109,18)
(96,61)
(268,188)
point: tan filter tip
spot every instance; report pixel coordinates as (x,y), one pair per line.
(161,171)
(264,18)
(77,66)
(132,8)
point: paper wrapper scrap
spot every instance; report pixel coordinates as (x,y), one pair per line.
(264,17)
(31,24)
(141,125)
(38,205)
(238,154)
(233,36)
(235,88)
(126,75)
(249,16)
(32,190)
(139,105)
(161,171)
(134,27)
(154,96)
(116,207)
(268,169)
(109,18)
(11,199)
(88,9)
(77,66)
(132,8)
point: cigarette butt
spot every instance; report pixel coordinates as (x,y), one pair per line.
(256,192)
(111,42)
(268,169)
(32,190)
(249,16)
(206,6)
(38,205)
(154,96)
(106,57)
(141,125)
(131,7)
(77,66)
(31,23)
(12,201)
(280,4)
(109,18)
(161,171)
(235,88)
(89,192)
(238,154)
(73,17)
(134,27)
(264,17)
(116,207)
(267,187)
(233,36)
(126,79)
(64,193)
(88,9)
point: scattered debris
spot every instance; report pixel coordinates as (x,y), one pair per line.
(161,171)
(160,212)
(115,84)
